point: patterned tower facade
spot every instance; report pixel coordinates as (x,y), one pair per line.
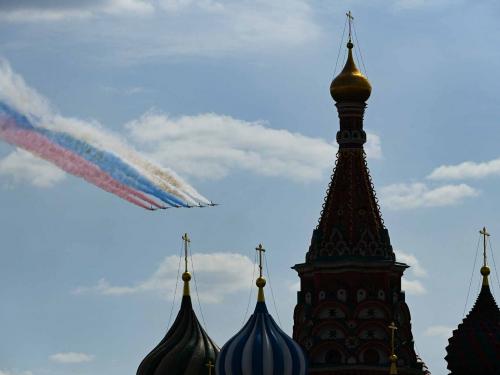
(350,282)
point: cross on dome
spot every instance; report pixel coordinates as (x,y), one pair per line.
(350,18)
(186,276)
(260,282)
(393,369)
(485,270)
(210,366)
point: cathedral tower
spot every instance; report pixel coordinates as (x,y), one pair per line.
(350,291)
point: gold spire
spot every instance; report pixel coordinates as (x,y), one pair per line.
(210,366)
(485,270)
(350,85)
(261,282)
(393,357)
(186,276)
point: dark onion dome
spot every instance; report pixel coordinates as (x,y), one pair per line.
(261,347)
(474,347)
(350,85)
(186,349)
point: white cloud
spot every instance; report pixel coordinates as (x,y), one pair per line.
(410,259)
(21,166)
(32,11)
(413,286)
(211,145)
(466,170)
(217,275)
(138,30)
(294,286)
(211,28)
(9,372)
(71,357)
(126,91)
(15,91)
(416,195)
(421,4)
(439,331)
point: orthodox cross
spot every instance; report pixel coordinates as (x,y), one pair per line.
(210,366)
(186,240)
(261,250)
(393,328)
(350,18)
(485,238)
(393,369)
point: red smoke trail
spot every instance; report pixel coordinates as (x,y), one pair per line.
(69,162)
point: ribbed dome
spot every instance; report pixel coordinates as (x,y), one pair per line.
(185,350)
(350,85)
(474,347)
(261,347)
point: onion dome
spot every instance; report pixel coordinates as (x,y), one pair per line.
(186,349)
(474,347)
(261,347)
(425,369)
(350,85)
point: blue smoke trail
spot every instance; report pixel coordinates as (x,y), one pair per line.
(109,163)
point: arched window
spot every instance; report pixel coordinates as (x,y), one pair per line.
(333,357)
(341,295)
(371,357)
(361,295)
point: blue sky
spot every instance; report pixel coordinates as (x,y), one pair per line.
(87,279)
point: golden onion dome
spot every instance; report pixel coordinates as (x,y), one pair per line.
(350,85)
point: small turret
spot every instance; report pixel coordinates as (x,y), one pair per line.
(261,347)
(474,346)
(186,349)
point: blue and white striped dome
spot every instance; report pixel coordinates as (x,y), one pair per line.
(261,348)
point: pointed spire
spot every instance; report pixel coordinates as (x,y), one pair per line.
(186,276)
(485,270)
(351,224)
(260,282)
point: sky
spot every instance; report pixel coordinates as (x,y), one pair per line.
(233,96)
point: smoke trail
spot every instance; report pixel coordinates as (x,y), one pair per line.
(67,161)
(108,162)
(25,100)
(164,178)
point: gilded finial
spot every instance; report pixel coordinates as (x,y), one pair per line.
(350,85)
(393,357)
(350,18)
(261,282)
(485,270)
(210,366)
(186,276)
